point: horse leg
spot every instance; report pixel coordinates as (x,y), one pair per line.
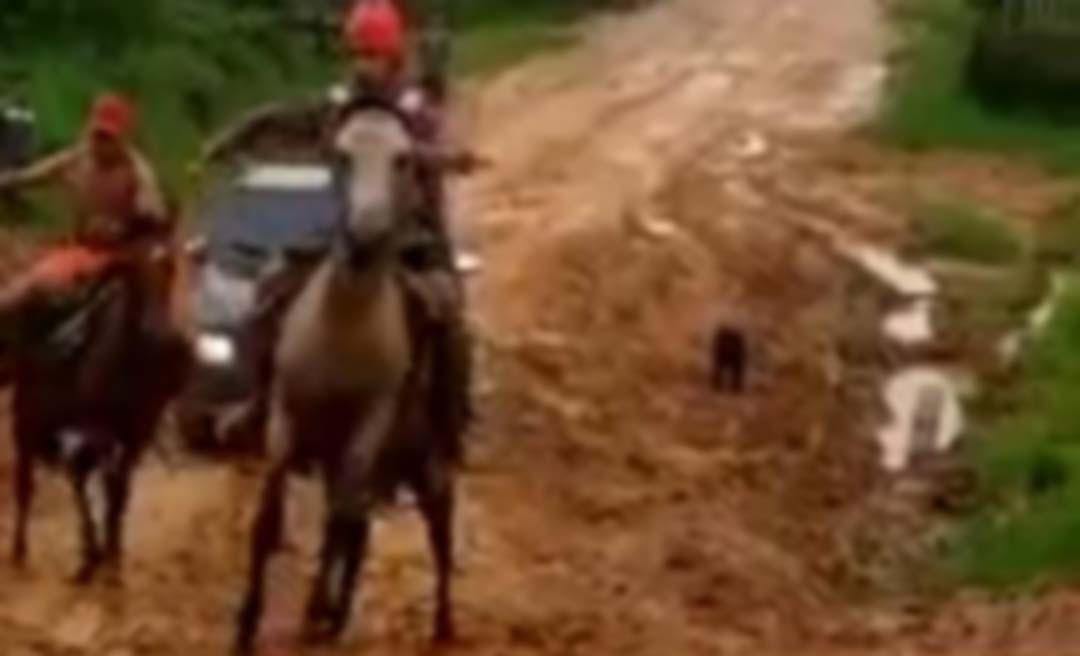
(318,606)
(266,538)
(350,504)
(24,497)
(118,494)
(448,403)
(355,536)
(343,553)
(435,492)
(91,556)
(319,603)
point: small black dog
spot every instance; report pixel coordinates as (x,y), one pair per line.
(730,353)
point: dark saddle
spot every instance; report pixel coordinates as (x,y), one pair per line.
(60,329)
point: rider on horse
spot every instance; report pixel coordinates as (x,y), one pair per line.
(375,34)
(113,196)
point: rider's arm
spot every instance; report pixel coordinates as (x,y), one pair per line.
(43,171)
(149,199)
(442,149)
(448,159)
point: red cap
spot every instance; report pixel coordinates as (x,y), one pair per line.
(376,28)
(113,115)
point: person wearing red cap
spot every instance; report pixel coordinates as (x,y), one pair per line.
(112,193)
(375,35)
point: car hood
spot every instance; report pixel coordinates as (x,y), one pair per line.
(223,300)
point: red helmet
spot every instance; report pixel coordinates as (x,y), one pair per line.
(113,115)
(376,28)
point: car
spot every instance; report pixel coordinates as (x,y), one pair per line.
(260,216)
(265,213)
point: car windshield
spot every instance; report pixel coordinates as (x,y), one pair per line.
(268,210)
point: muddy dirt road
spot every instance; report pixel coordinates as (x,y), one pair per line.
(649,183)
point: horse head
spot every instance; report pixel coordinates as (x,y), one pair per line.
(374,173)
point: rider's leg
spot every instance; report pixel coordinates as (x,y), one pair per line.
(451,343)
(12,299)
(15,297)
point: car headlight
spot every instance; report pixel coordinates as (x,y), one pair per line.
(215,349)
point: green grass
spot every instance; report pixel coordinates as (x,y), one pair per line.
(983,305)
(930,105)
(495,34)
(193,65)
(1027,529)
(190,64)
(491,47)
(1059,238)
(955,230)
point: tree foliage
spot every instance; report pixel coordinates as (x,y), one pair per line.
(189,63)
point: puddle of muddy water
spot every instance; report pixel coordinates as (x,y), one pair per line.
(912,324)
(925,410)
(888,269)
(926,415)
(925,401)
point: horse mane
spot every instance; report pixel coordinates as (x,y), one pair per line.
(370,103)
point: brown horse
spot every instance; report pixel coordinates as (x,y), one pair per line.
(89,398)
(352,391)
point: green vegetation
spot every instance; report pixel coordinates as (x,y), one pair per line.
(190,64)
(193,65)
(1028,529)
(989,279)
(1059,241)
(1026,452)
(931,105)
(496,33)
(954,230)
(983,305)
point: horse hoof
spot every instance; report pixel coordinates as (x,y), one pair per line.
(84,576)
(445,636)
(312,637)
(243,648)
(317,635)
(113,577)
